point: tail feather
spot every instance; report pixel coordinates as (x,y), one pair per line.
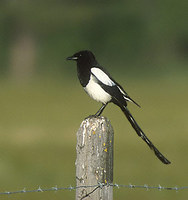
(143,136)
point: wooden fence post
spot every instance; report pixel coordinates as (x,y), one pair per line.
(94,163)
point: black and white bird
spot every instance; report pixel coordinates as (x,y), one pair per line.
(100,86)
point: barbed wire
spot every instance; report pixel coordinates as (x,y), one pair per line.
(97,186)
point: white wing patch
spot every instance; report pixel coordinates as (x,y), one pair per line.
(124,95)
(121,90)
(101,76)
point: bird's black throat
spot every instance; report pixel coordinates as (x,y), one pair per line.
(83,74)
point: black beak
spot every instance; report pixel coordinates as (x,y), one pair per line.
(72,58)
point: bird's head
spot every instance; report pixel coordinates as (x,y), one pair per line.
(83,57)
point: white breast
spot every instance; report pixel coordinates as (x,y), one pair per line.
(96,92)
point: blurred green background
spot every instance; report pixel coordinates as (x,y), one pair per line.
(143,44)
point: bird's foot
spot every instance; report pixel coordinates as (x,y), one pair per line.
(92,116)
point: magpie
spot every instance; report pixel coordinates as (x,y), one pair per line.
(100,86)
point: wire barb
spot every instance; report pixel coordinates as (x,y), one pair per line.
(55,188)
(146,186)
(116,185)
(39,189)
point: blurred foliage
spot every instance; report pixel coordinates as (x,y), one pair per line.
(137,35)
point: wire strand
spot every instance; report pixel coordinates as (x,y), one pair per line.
(95,187)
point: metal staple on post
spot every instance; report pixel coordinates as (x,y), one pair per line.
(94,163)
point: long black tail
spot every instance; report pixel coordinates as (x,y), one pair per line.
(143,136)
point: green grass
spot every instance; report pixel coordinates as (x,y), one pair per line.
(38,125)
